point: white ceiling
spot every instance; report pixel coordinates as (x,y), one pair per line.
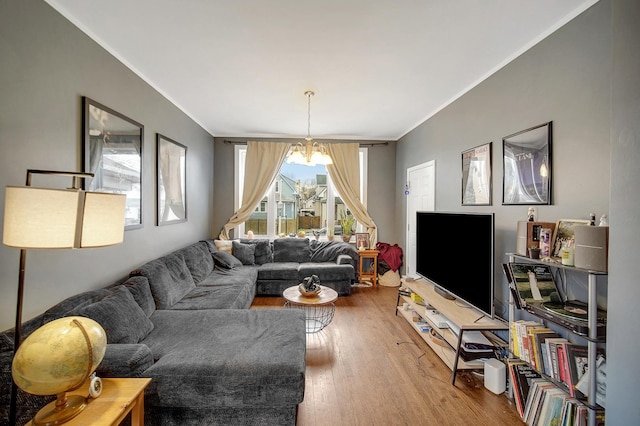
(379,68)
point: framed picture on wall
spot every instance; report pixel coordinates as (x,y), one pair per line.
(476,176)
(112,151)
(171,191)
(526,160)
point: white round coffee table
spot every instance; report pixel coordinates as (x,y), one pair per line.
(318,309)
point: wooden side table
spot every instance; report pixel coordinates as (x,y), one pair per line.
(368,269)
(119,397)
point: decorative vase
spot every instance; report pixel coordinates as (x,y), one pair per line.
(346,238)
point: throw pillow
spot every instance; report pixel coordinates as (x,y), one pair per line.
(245,253)
(224,245)
(291,250)
(141,292)
(121,317)
(264,254)
(225,260)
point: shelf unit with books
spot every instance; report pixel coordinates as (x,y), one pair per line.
(591,334)
(444,341)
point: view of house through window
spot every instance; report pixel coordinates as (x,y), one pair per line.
(301,201)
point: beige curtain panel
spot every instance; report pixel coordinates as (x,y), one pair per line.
(263,163)
(345,174)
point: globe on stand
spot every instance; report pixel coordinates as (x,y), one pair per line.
(58,358)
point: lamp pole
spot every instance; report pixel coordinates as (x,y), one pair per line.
(23,259)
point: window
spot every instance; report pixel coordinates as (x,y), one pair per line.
(300,198)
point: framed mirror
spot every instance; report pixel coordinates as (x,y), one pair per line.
(476,176)
(112,151)
(527,166)
(171,175)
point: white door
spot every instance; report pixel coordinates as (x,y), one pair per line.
(421,186)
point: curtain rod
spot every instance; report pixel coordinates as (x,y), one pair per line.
(372,144)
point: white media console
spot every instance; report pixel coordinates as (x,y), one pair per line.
(445,342)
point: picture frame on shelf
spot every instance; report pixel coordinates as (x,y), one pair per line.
(476,176)
(564,233)
(362,241)
(113,151)
(526,161)
(171,177)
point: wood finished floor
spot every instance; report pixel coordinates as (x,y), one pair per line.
(370,367)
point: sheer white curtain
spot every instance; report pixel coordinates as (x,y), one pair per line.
(345,174)
(262,165)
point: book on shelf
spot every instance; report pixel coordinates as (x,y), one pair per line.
(404,291)
(552,354)
(521,375)
(551,407)
(536,337)
(535,398)
(563,365)
(521,337)
(534,283)
(577,358)
(601,381)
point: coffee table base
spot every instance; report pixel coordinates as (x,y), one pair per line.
(317,317)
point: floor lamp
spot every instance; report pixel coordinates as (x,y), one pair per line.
(48,218)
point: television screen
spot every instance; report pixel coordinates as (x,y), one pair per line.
(455,251)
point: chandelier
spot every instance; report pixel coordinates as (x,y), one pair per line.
(311,153)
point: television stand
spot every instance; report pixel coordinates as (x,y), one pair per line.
(445,342)
(444,293)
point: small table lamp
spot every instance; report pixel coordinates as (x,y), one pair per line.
(46,218)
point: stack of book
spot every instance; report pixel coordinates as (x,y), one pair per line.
(550,354)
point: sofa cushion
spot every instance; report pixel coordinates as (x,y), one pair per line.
(245,253)
(326,271)
(263,254)
(125,360)
(279,271)
(122,318)
(228,358)
(291,250)
(226,260)
(169,279)
(198,259)
(139,288)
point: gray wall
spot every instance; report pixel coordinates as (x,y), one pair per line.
(47,66)
(584,78)
(623,345)
(381,186)
(564,79)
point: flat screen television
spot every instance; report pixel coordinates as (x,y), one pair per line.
(455,251)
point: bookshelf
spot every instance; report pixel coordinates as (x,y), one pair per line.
(445,343)
(592,337)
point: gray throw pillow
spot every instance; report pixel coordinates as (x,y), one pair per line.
(291,250)
(245,253)
(264,254)
(122,318)
(141,292)
(225,260)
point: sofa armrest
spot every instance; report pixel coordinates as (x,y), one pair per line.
(125,360)
(345,259)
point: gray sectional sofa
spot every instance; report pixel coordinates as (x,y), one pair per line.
(184,321)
